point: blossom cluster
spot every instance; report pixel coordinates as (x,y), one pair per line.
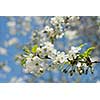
(43,56)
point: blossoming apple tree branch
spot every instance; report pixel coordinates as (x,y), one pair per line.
(42,54)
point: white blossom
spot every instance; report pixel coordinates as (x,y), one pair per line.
(72,54)
(47,50)
(35,66)
(48,29)
(59,35)
(57,20)
(75,49)
(79,64)
(60,58)
(48,45)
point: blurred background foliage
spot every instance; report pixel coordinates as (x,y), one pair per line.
(16,31)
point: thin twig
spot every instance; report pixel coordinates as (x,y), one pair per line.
(91,62)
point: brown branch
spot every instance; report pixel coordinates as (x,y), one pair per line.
(91,62)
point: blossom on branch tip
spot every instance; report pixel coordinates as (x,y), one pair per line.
(34,66)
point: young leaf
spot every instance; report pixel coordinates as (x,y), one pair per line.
(88,51)
(34,48)
(82,45)
(23,61)
(26,50)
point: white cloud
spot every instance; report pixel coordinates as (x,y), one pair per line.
(11,42)
(7,69)
(70,34)
(38,20)
(98,81)
(3,51)
(11,24)
(16,80)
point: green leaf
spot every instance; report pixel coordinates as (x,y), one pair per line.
(26,50)
(23,61)
(81,56)
(88,51)
(34,48)
(82,45)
